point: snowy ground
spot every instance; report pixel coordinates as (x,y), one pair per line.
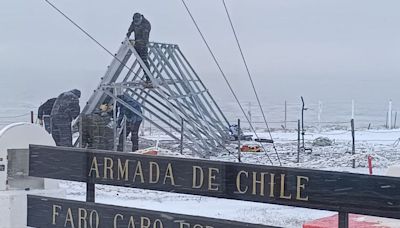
(380,144)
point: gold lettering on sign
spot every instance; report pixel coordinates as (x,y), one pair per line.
(154,165)
(158,223)
(238,182)
(169,174)
(69,219)
(197,170)
(94,213)
(211,178)
(131,222)
(301,186)
(144,222)
(183,224)
(94,167)
(261,182)
(82,217)
(123,170)
(138,172)
(55,213)
(272,185)
(108,165)
(116,218)
(282,195)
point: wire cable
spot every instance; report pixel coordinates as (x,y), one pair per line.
(104,48)
(251,80)
(222,72)
(90,36)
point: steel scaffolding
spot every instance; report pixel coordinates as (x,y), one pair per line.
(177,96)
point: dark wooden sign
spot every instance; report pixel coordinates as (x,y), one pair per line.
(336,191)
(51,212)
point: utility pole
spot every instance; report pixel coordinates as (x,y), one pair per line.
(239,150)
(302,122)
(298,141)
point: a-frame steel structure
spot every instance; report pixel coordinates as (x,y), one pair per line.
(177,95)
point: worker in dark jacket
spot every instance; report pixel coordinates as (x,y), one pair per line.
(44,112)
(133,121)
(97,129)
(65,109)
(141,27)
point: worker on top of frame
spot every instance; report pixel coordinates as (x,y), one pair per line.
(65,109)
(44,112)
(133,121)
(97,129)
(141,27)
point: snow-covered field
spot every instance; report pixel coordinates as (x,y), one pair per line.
(380,144)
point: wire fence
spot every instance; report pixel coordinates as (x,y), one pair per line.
(329,119)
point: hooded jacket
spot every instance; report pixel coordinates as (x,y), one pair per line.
(66,107)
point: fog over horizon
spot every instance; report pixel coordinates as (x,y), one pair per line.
(333,50)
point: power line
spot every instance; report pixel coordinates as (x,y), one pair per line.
(251,80)
(222,73)
(104,48)
(90,36)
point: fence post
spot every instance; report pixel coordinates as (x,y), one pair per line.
(90,187)
(319,114)
(182,131)
(31,116)
(249,113)
(353,148)
(285,115)
(239,151)
(298,141)
(343,220)
(390,115)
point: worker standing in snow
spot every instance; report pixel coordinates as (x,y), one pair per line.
(44,112)
(97,130)
(133,121)
(141,27)
(65,109)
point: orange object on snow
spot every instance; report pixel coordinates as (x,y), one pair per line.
(250,148)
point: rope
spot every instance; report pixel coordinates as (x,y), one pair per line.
(221,71)
(251,80)
(90,36)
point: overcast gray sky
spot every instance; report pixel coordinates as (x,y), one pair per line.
(326,48)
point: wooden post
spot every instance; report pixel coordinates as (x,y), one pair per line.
(182,132)
(80,131)
(343,220)
(90,187)
(238,134)
(31,116)
(353,148)
(395,120)
(124,136)
(298,141)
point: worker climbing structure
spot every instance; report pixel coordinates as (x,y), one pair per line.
(176,102)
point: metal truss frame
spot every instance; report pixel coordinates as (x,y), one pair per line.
(177,96)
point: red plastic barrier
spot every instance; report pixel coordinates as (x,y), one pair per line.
(370,164)
(332,222)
